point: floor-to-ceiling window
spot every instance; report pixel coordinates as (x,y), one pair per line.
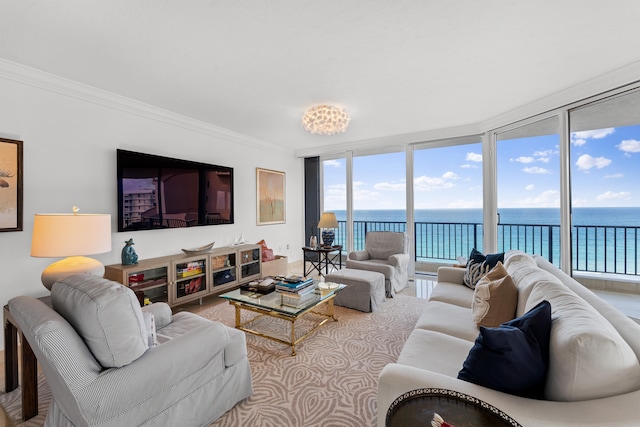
(605,172)
(447,200)
(528,188)
(561,185)
(379,194)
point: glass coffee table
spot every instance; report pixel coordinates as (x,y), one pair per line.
(282,306)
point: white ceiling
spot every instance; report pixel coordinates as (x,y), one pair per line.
(397,66)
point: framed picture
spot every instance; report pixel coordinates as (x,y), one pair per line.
(10,185)
(270,191)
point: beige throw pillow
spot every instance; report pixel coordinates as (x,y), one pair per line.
(495,298)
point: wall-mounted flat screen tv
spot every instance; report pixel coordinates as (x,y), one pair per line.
(160,192)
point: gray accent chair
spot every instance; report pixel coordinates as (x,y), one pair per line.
(104,370)
(386,252)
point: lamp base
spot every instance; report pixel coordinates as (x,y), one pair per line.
(327,237)
(70,266)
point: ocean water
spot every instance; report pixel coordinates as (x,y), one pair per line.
(603,239)
(624,217)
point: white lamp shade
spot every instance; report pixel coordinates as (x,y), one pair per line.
(62,235)
(328,220)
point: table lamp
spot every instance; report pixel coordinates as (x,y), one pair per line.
(327,223)
(71,236)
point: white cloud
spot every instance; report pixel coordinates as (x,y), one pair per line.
(536,170)
(610,195)
(450,175)
(546,199)
(474,157)
(390,186)
(334,163)
(468,166)
(593,134)
(629,146)
(580,138)
(428,183)
(529,187)
(543,153)
(586,162)
(614,176)
(523,159)
(578,142)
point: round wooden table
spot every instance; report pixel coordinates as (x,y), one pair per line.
(417,407)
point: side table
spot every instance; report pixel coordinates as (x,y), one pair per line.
(417,407)
(29,366)
(331,255)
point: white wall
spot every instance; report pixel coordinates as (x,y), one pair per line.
(70,139)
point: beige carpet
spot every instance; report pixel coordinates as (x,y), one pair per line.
(331,382)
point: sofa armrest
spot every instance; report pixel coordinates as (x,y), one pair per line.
(451,275)
(399,260)
(396,379)
(161,313)
(358,255)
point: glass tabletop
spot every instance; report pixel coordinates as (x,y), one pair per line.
(282,302)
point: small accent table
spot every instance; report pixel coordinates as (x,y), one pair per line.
(330,256)
(417,407)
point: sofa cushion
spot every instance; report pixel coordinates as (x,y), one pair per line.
(479,265)
(105,314)
(588,357)
(495,298)
(512,358)
(452,293)
(448,319)
(435,352)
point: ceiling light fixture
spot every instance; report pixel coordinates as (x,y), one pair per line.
(325,120)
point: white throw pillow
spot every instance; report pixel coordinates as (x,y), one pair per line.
(588,359)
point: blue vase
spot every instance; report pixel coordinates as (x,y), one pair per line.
(327,237)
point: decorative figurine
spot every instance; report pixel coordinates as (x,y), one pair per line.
(129,255)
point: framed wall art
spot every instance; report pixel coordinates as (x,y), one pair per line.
(10,185)
(270,198)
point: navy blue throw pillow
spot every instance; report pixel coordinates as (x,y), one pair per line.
(513,358)
(478,265)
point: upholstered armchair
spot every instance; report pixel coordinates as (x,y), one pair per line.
(385,252)
(106,367)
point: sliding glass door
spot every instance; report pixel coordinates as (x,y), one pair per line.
(379,194)
(605,172)
(528,188)
(447,195)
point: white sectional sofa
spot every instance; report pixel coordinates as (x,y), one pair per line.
(593,377)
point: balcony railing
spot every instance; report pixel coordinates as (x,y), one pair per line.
(598,249)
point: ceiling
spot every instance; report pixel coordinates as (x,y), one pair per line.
(398,67)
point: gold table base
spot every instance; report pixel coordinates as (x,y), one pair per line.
(290,318)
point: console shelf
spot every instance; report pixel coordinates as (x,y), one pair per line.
(177,279)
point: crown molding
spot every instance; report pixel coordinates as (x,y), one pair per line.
(42,80)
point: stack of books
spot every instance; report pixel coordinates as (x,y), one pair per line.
(295,286)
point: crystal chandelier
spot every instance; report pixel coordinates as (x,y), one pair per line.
(325,120)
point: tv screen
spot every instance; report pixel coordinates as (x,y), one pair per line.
(160,192)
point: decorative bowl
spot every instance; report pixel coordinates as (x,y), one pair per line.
(200,250)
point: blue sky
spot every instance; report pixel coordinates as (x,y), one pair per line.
(605,168)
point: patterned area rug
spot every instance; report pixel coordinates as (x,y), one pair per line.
(332,381)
